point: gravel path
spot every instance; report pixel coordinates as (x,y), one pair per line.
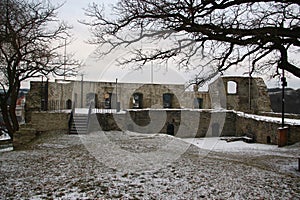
(61,166)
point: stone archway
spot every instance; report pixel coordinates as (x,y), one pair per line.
(69,104)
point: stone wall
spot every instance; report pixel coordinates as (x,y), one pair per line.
(187,123)
(41,122)
(82,93)
(294,134)
(210,123)
(33,100)
(50,121)
(194,123)
(23,137)
(249,95)
(259,130)
(59,94)
(264,131)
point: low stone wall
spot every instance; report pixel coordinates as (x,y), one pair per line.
(294,134)
(50,121)
(186,123)
(40,122)
(23,137)
(259,130)
(265,132)
(210,123)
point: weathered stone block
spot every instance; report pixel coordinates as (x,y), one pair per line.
(23,137)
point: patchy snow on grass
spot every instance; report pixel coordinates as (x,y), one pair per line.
(61,167)
(9,148)
(218,145)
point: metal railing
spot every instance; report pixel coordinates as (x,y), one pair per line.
(71,118)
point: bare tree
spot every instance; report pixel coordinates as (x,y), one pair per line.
(31,39)
(220,34)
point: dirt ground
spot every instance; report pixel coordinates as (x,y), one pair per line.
(59,166)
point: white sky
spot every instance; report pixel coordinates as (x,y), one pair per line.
(106,69)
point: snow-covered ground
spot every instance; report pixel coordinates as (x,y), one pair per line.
(61,166)
(220,145)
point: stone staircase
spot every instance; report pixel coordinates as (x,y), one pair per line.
(79,124)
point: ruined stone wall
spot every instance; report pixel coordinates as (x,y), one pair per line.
(152,94)
(63,95)
(210,123)
(261,98)
(49,121)
(294,134)
(23,137)
(187,100)
(187,123)
(194,123)
(59,94)
(43,122)
(259,130)
(33,100)
(82,93)
(264,131)
(251,99)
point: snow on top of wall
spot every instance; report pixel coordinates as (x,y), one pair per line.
(239,76)
(241,114)
(269,119)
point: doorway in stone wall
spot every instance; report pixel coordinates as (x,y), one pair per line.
(198,103)
(269,140)
(167,100)
(69,104)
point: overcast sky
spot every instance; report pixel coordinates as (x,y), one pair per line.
(106,69)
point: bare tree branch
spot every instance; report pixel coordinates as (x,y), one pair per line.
(31,39)
(228,32)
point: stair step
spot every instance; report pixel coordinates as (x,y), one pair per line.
(79,124)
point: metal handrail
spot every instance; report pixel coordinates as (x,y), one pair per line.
(89,115)
(71,119)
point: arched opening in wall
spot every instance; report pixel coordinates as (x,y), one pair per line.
(137,100)
(107,100)
(69,104)
(231,87)
(167,100)
(268,140)
(170,129)
(198,103)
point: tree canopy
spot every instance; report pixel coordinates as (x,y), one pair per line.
(221,34)
(32,39)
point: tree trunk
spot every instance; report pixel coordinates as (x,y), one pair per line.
(6,119)
(12,108)
(9,111)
